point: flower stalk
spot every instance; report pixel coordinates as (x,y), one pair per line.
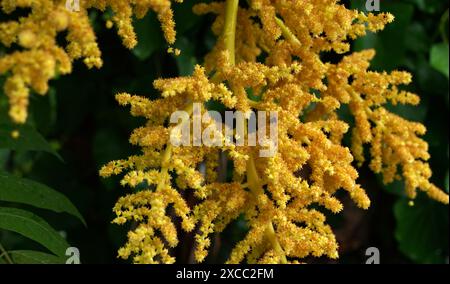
(277,194)
(4,253)
(287,33)
(253,180)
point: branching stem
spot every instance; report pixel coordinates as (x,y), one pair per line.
(287,33)
(167,155)
(4,253)
(255,186)
(229,32)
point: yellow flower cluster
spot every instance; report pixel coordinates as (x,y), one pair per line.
(34,57)
(394,142)
(274,194)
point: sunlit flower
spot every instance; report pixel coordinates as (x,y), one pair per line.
(38,57)
(276,195)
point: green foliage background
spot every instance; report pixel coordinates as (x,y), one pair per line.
(78,127)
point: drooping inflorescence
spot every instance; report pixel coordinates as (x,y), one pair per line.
(275,194)
(267,58)
(34,56)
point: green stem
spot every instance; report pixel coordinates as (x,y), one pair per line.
(253,180)
(442,25)
(5,254)
(272,236)
(287,33)
(229,32)
(255,186)
(167,155)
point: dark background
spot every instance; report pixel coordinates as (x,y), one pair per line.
(81,120)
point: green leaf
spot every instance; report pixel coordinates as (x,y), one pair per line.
(432,83)
(416,38)
(397,187)
(33,227)
(34,257)
(429,6)
(186,61)
(184,17)
(439,58)
(413,113)
(21,190)
(422,229)
(149,36)
(29,139)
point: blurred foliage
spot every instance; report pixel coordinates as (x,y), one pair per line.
(70,135)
